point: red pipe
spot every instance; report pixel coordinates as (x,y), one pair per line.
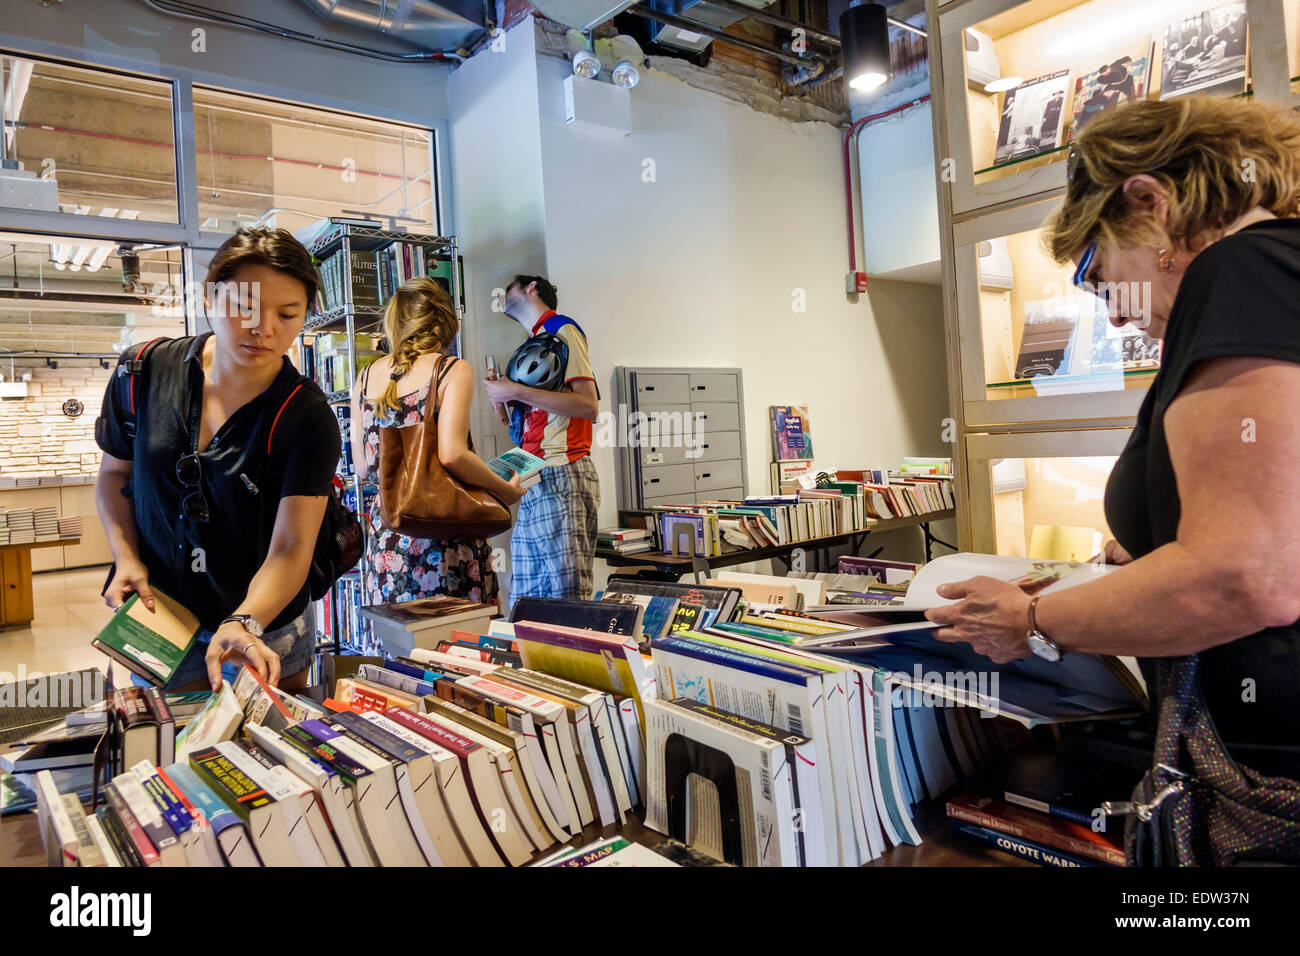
(851,135)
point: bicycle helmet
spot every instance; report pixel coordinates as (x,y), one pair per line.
(540,362)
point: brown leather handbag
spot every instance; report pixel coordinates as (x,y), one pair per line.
(418,497)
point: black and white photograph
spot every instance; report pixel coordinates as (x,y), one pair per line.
(1205,53)
(1032,115)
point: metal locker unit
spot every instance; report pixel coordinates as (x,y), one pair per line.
(681,435)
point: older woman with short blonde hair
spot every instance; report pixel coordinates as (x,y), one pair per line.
(1195,199)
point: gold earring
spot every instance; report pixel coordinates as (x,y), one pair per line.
(1164,262)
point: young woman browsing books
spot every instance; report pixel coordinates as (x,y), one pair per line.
(1189,206)
(192,497)
(417,379)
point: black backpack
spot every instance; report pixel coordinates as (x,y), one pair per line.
(340,542)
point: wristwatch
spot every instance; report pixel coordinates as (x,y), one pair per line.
(249,623)
(1042,645)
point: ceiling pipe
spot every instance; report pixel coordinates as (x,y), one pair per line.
(777,20)
(708,30)
(194,11)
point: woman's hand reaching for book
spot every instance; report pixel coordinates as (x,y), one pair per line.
(129,577)
(992,617)
(231,643)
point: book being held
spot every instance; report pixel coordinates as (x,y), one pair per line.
(153,643)
(517,461)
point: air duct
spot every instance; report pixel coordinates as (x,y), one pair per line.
(421,23)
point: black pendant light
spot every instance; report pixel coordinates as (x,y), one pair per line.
(864,44)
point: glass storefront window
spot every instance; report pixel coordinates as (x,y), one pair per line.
(95,142)
(79,300)
(264,162)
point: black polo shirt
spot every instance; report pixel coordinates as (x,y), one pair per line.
(208,566)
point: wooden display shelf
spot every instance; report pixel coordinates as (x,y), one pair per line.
(17,607)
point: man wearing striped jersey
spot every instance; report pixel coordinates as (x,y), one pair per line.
(554,539)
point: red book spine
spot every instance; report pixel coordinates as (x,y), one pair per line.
(135,832)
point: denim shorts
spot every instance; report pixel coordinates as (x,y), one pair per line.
(294,642)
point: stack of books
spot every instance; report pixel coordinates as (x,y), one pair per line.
(423,623)
(70,526)
(46,523)
(625,540)
(4,526)
(22,528)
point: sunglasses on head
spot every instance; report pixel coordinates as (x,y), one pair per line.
(189,472)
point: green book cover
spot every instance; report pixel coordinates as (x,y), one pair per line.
(149,643)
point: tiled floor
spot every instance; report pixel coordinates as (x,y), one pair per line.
(69,613)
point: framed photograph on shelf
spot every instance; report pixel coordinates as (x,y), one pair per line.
(1121,76)
(1032,117)
(1047,341)
(1205,53)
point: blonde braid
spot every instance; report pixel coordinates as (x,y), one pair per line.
(419,320)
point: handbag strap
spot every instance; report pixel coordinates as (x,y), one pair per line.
(440,371)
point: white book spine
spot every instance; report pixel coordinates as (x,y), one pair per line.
(385,821)
(790,705)
(632,726)
(335,797)
(101,840)
(449,807)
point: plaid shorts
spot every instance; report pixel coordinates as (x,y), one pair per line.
(554,539)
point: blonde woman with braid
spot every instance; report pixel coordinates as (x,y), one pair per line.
(419,377)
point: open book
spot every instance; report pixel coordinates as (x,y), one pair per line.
(1031,690)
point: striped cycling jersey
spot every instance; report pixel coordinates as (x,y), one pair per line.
(559,439)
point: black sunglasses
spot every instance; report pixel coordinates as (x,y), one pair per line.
(189,472)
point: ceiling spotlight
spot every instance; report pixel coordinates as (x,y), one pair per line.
(585,64)
(1003,84)
(625,75)
(864,43)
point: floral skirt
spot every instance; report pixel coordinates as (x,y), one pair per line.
(403,569)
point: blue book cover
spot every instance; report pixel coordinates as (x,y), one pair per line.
(753,664)
(214,810)
(657,616)
(177,817)
(412,670)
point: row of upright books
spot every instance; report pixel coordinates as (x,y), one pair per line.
(759,733)
(376,275)
(713,528)
(326,358)
(471,754)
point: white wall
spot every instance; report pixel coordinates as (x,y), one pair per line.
(698,267)
(898,226)
(496,159)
